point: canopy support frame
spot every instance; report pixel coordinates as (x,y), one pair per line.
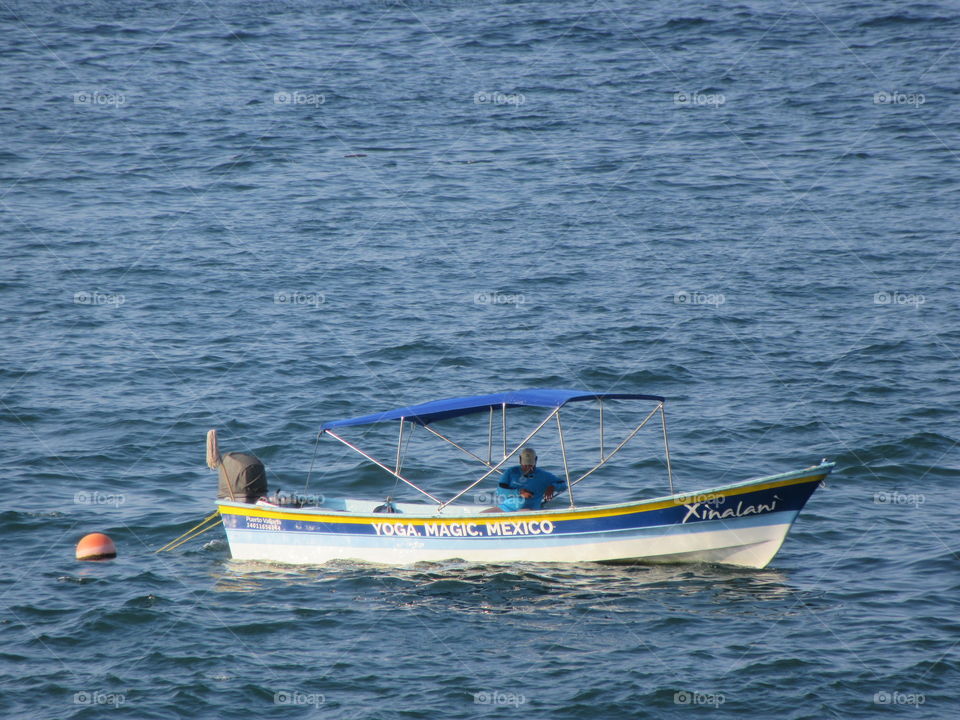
(555,412)
(619,447)
(399,446)
(666,447)
(563,454)
(504,429)
(489,437)
(381,465)
(601,428)
(496,467)
(458,447)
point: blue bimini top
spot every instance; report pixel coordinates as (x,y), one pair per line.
(429,412)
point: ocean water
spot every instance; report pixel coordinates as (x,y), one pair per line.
(261,216)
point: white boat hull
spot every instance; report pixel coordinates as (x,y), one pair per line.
(742,525)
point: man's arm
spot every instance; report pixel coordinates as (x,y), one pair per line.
(508,480)
(553,485)
(558,483)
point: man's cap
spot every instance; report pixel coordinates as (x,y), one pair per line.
(528,456)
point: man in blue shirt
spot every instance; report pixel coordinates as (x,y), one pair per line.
(526,487)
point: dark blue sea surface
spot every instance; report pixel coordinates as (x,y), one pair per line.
(261,216)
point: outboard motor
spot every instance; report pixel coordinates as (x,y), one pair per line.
(242,476)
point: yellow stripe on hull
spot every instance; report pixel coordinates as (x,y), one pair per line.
(318,515)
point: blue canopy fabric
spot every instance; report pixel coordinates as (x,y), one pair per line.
(434,410)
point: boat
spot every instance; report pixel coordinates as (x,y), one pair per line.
(741,524)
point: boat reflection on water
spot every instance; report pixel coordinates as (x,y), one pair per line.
(584,589)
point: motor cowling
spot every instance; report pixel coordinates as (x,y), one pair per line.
(243,477)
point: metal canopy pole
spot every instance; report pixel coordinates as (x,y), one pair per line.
(601,430)
(666,446)
(504,406)
(458,447)
(399,445)
(490,438)
(310,471)
(380,464)
(563,454)
(618,447)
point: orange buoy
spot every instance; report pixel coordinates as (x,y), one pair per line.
(96,546)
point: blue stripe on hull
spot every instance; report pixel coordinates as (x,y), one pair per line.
(261,537)
(746,509)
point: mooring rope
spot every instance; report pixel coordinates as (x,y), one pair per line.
(173,544)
